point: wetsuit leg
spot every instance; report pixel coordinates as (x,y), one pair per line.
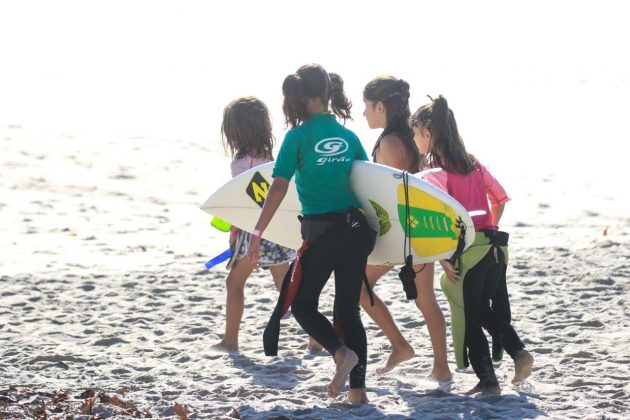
(317,266)
(348,282)
(501,309)
(478,312)
(500,322)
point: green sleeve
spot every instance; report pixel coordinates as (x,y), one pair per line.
(361,154)
(286,162)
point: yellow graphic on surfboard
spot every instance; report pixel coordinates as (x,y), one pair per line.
(433,228)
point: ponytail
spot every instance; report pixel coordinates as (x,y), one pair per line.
(293,106)
(312,81)
(339,102)
(447,148)
(441,128)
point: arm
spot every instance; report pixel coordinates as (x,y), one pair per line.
(497,211)
(275,195)
(496,194)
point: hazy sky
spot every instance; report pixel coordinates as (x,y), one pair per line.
(168,67)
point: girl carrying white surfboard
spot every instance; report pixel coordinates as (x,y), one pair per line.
(386,101)
(319,152)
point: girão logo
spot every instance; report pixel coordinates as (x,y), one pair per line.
(331,146)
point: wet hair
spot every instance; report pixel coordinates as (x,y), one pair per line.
(246,128)
(312,81)
(446,149)
(394,93)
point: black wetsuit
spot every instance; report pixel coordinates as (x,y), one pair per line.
(343,250)
(484,283)
(341,247)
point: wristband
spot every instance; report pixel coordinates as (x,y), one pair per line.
(257,232)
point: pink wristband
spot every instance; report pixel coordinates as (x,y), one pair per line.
(257,232)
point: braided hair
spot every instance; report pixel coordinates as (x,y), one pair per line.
(394,93)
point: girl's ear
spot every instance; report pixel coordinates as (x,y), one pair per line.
(380,106)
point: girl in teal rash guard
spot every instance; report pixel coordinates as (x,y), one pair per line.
(319,152)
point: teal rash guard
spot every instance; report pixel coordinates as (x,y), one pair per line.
(320,152)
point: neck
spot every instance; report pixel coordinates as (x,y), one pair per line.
(316,107)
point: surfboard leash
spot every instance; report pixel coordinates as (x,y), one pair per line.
(407,274)
(461,241)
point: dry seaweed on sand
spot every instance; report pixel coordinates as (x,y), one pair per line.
(20,402)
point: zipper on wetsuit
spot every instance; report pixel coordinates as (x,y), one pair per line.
(496,257)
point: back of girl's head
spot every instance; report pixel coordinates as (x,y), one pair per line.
(394,93)
(446,149)
(246,128)
(314,82)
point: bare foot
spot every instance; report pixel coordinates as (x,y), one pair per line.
(494,389)
(523,363)
(345,359)
(222,346)
(314,346)
(357,396)
(441,375)
(398,355)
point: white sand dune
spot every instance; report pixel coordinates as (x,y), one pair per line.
(102,287)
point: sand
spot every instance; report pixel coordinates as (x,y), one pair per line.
(103,289)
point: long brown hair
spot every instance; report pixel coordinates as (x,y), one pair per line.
(312,81)
(246,128)
(446,149)
(394,93)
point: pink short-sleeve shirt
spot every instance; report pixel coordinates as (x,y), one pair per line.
(240,165)
(473,191)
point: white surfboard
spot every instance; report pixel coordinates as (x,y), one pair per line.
(436,219)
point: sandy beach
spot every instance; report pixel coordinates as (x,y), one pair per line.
(103,290)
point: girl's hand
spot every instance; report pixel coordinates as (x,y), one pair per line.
(451,272)
(253,251)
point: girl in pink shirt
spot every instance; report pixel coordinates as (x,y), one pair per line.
(475,283)
(473,191)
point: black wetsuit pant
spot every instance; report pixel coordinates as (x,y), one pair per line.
(483,284)
(342,249)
